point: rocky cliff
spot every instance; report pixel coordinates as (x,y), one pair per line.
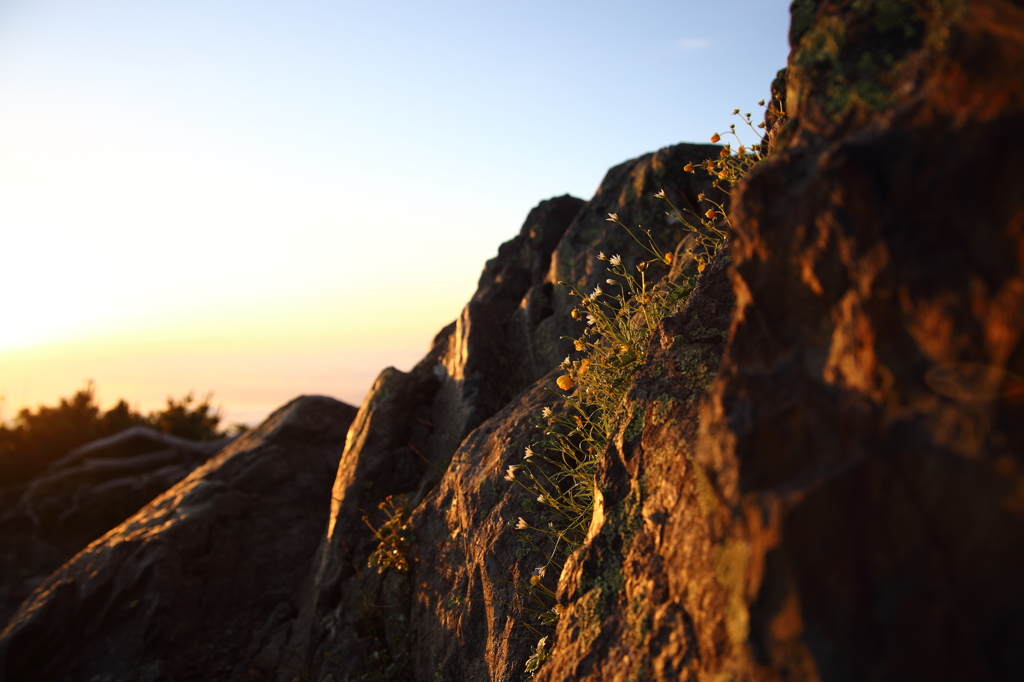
(821,475)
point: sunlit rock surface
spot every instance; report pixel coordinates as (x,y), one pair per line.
(821,476)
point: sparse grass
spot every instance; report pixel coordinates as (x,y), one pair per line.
(621,315)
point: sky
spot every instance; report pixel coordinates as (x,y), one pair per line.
(263,199)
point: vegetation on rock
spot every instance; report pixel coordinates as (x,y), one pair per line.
(559,473)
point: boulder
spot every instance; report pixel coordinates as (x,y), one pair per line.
(81,496)
(204,581)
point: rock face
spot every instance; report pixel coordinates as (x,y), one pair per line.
(203,581)
(82,496)
(497,356)
(822,472)
(849,507)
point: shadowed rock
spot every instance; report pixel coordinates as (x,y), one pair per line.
(202,582)
(821,476)
(81,496)
(850,508)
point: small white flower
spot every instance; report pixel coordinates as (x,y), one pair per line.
(542,499)
(601,256)
(611,281)
(522,525)
(597,292)
(660,194)
(546,412)
(612,217)
(529,452)
(591,320)
(510,475)
(615,260)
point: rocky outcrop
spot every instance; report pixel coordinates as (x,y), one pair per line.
(820,476)
(203,581)
(408,445)
(81,496)
(497,356)
(846,505)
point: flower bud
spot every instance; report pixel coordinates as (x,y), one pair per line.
(715,138)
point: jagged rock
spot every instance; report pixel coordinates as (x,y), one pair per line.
(822,472)
(204,581)
(504,342)
(851,507)
(633,598)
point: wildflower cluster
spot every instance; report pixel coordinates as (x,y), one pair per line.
(393,537)
(731,165)
(620,314)
(558,472)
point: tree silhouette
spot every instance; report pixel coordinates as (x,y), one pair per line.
(35,439)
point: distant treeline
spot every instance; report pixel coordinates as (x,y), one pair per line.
(35,439)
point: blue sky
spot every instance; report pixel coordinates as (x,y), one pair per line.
(261,199)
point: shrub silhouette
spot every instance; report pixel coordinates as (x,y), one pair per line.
(37,438)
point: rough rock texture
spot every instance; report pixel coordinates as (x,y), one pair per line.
(662,553)
(821,476)
(497,354)
(203,582)
(81,496)
(851,507)
(881,410)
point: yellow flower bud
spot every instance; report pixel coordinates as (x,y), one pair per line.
(715,138)
(668,258)
(565,382)
(711,214)
(688,168)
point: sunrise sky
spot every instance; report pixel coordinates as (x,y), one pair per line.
(261,199)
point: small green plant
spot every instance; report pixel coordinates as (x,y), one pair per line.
(393,537)
(559,469)
(540,654)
